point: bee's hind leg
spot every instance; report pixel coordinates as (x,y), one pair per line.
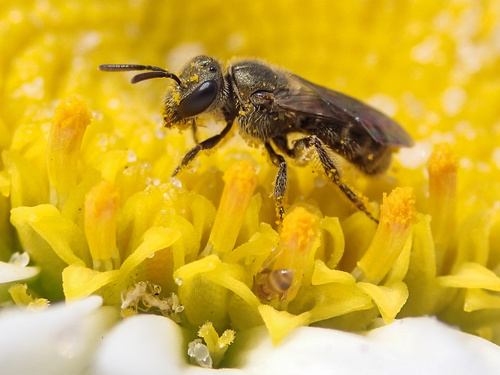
(332,171)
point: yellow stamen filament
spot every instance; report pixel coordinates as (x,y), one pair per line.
(71,118)
(442,168)
(240,181)
(101,206)
(396,219)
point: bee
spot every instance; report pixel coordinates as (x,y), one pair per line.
(270,104)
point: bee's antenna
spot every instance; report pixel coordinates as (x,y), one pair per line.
(155,72)
(148,75)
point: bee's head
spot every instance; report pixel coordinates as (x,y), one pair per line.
(202,89)
(199,88)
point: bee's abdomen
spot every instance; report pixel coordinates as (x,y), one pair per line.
(352,142)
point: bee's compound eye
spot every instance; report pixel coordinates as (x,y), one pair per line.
(199,100)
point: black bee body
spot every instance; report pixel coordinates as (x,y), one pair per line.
(270,104)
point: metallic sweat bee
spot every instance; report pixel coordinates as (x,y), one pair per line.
(270,104)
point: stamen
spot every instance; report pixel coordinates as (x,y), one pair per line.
(20,296)
(240,181)
(442,168)
(299,240)
(396,219)
(71,118)
(216,345)
(101,206)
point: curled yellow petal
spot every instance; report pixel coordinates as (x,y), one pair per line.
(479,299)
(333,227)
(224,276)
(206,284)
(80,281)
(202,298)
(324,275)
(154,239)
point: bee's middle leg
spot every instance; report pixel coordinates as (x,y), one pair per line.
(281,180)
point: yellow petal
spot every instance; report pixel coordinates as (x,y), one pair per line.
(478,299)
(62,235)
(186,248)
(155,238)
(4,183)
(402,263)
(202,298)
(194,268)
(473,240)
(324,275)
(111,164)
(423,256)
(80,281)
(333,227)
(252,254)
(30,187)
(223,276)
(281,323)
(389,299)
(336,299)
(203,215)
(472,275)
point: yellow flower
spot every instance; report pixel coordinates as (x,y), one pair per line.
(86,187)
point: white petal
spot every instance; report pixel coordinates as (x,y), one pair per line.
(58,340)
(154,345)
(408,346)
(13,272)
(147,344)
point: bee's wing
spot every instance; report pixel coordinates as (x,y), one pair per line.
(308,98)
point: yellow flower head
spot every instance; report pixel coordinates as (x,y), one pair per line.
(86,186)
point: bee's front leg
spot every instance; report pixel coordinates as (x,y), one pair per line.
(207,144)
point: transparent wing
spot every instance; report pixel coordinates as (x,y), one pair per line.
(308,98)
